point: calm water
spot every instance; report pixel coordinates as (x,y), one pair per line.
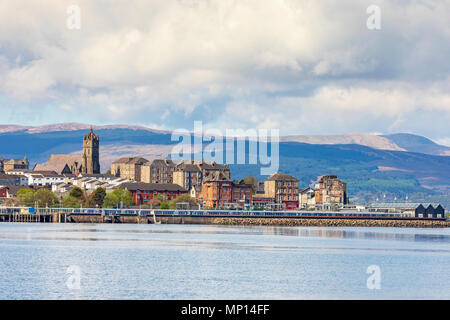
(219,262)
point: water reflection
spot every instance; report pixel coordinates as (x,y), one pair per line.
(76,231)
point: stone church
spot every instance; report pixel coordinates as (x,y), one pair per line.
(87,163)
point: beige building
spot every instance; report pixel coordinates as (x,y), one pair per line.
(283,188)
(128,168)
(307,198)
(190,174)
(187,175)
(158,171)
(13,164)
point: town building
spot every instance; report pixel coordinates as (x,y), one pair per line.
(218,191)
(91,153)
(158,171)
(8,192)
(284,189)
(128,168)
(13,164)
(87,162)
(143,193)
(46,178)
(418,210)
(190,174)
(242,194)
(187,175)
(307,198)
(330,190)
(13,180)
(212,167)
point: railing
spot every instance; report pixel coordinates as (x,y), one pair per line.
(102,211)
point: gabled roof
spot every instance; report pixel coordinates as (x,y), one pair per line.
(57,162)
(281,177)
(131,160)
(185,166)
(161,163)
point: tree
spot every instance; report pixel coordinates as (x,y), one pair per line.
(76,192)
(70,202)
(113,199)
(46,198)
(98,196)
(27,197)
(182,198)
(124,196)
(164,205)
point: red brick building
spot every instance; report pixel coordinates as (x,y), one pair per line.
(143,193)
(218,191)
(329,189)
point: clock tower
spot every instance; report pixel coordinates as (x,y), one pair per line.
(91,155)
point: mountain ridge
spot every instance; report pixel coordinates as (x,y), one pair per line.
(397,141)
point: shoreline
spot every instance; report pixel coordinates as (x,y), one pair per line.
(255,221)
(227,220)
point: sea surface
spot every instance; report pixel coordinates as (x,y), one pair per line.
(125,261)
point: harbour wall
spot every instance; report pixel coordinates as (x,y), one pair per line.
(258,221)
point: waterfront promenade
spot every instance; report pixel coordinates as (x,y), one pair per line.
(275,218)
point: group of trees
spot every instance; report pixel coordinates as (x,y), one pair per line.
(99,198)
(78,198)
(41,198)
(44,198)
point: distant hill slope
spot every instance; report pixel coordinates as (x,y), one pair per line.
(369,140)
(415,143)
(365,169)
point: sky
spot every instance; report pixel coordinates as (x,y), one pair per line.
(300,66)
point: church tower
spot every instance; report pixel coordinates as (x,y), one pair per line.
(91,157)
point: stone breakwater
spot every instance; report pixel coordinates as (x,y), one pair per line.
(249,221)
(332,222)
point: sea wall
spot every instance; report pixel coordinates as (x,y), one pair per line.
(333,222)
(319,222)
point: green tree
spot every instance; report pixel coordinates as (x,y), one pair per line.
(27,197)
(182,198)
(70,202)
(164,205)
(98,197)
(124,196)
(46,198)
(111,201)
(76,192)
(114,198)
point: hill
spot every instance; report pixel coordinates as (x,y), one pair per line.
(368,170)
(415,143)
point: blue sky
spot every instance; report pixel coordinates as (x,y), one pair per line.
(304,67)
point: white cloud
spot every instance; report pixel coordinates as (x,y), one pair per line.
(292,64)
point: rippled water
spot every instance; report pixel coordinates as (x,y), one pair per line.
(118,261)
